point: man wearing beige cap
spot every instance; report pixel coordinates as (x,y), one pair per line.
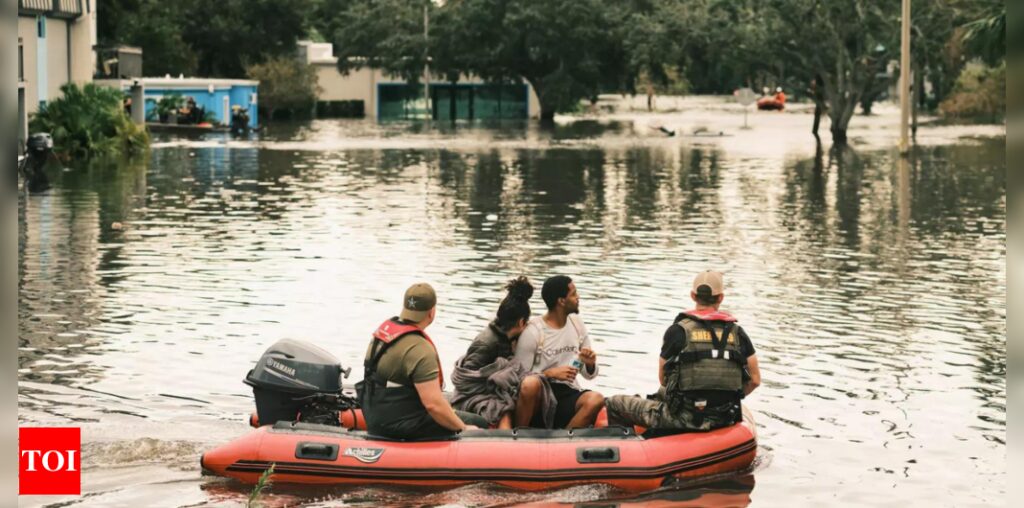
(707,366)
(401,392)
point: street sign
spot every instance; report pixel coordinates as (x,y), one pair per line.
(745,96)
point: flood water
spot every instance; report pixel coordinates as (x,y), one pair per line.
(873,290)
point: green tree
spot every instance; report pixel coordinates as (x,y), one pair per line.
(555,45)
(150,25)
(559,47)
(650,49)
(979,94)
(217,39)
(285,84)
(380,34)
(933,30)
(844,44)
(726,44)
(985,32)
(229,35)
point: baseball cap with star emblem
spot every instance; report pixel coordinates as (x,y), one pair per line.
(418,301)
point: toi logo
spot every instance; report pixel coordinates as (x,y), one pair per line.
(49,461)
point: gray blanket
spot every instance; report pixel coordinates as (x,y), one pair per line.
(494,389)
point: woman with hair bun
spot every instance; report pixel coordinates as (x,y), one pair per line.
(486,380)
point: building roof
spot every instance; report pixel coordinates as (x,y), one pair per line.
(182,83)
(66,9)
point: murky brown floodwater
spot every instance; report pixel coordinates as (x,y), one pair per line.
(874,291)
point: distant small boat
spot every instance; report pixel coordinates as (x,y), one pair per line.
(771,104)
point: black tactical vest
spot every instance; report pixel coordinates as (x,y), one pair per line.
(710,362)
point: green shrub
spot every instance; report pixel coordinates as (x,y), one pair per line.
(979,94)
(89,120)
(170,103)
(286,84)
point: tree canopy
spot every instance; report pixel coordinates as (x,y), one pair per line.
(285,84)
(570,50)
(215,39)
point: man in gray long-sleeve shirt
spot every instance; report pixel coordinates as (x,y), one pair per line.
(557,346)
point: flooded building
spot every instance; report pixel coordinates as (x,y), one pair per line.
(215,96)
(372,93)
(55,46)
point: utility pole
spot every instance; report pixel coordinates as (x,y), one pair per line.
(905,80)
(426,58)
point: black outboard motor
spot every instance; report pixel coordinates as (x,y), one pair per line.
(297,381)
(40,149)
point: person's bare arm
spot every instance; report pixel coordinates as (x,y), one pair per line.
(589,359)
(564,373)
(755,375)
(661,370)
(438,407)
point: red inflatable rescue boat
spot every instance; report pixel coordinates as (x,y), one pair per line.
(523,458)
(305,436)
(776,102)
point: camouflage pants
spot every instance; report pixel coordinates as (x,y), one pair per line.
(636,410)
(655,414)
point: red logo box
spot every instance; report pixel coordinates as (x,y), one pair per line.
(49,461)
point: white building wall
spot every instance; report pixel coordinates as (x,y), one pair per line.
(83,38)
(81,32)
(356,86)
(27,33)
(56,57)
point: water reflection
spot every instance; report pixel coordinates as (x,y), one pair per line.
(69,241)
(873,287)
(734,492)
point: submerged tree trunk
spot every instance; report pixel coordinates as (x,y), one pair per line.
(917,97)
(845,87)
(840,112)
(547,109)
(547,115)
(453,106)
(841,104)
(838,136)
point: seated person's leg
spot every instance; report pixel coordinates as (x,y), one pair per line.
(629,410)
(529,395)
(565,409)
(587,405)
(472,419)
(419,427)
(505,422)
